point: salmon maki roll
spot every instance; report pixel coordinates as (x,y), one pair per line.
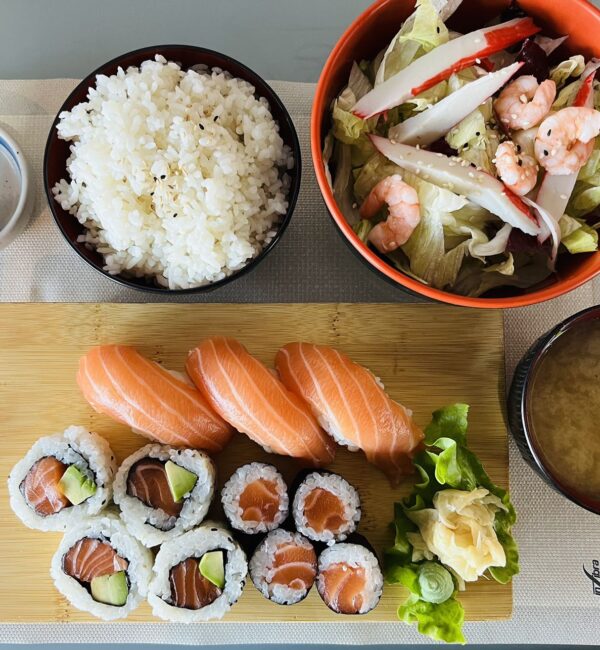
(351,405)
(284,567)
(255,499)
(118,381)
(326,508)
(252,399)
(349,579)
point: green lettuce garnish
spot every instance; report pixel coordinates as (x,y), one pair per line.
(474,141)
(425,248)
(420,33)
(342,184)
(348,128)
(439,621)
(374,170)
(572,67)
(423,100)
(520,270)
(584,199)
(445,463)
(577,236)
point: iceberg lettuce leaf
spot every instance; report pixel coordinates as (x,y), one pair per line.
(426,247)
(347,127)
(362,150)
(420,33)
(572,67)
(374,170)
(584,199)
(577,236)
(358,82)
(476,279)
(423,100)
(470,130)
(342,184)
(474,141)
(590,172)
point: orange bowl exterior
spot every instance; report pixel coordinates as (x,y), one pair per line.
(364,38)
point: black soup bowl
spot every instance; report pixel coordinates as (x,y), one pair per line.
(520,410)
(57,152)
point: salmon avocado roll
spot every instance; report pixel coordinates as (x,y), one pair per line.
(62,479)
(163,491)
(326,507)
(198,576)
(100,568)
(255,498)
(349,579)
(283,567)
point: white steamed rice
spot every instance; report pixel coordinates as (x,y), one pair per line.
(176,175)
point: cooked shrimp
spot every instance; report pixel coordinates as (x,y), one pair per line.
(517,170)
(565,139)
(525,103)
(404,212)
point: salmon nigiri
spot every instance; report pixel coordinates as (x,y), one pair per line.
(118,381)
(351,405)
(251,398)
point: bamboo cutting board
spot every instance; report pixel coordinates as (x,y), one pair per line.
(427,356)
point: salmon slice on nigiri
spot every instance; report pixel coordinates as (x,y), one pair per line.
(118,381)
(252,399)
(351,405)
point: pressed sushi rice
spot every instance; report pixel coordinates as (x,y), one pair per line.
(179,176)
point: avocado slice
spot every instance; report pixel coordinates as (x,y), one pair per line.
(181,481)
(111,589)
(212,567)
(76,486)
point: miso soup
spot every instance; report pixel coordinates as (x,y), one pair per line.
(564,406)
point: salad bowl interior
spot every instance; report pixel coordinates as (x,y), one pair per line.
(364,39)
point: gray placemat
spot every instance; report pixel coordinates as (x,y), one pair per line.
(554,601)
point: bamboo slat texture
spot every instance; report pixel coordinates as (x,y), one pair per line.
(427,356)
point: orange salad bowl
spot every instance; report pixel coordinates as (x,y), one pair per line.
(365,37)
